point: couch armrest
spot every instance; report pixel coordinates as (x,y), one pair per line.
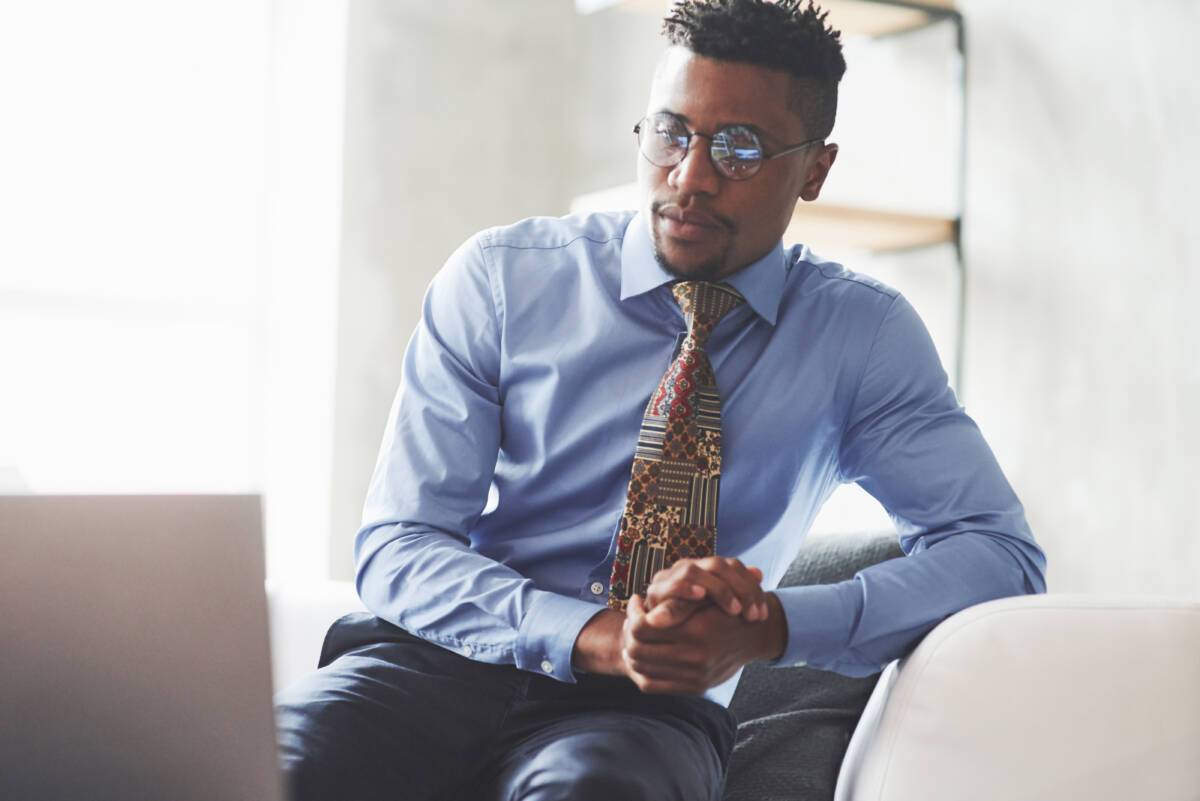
(300,614)
(1038,697)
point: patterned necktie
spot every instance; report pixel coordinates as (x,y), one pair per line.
(671,505)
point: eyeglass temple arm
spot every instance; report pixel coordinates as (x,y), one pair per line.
(794,148)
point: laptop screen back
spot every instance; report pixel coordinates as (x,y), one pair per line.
(134,656)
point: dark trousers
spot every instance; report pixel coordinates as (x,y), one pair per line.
(390,716)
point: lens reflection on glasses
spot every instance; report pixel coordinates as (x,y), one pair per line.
(664,140)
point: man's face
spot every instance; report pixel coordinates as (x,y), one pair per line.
(706,226)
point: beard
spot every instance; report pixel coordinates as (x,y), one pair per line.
(709,270)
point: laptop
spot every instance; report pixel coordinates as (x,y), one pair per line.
(134,651)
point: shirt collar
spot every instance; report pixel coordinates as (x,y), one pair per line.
(761,283)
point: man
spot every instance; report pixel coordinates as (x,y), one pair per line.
(580,636)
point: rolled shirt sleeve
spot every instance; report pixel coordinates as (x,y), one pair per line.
(910,444)
(414,564)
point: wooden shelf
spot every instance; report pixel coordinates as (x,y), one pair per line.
(851,17)
(822,225)
(826,225)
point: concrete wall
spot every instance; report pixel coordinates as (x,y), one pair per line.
(1081,179)
(1082,361)
(455,121)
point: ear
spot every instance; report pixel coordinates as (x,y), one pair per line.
(817,172)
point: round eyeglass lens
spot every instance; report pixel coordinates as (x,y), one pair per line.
(663,140)
(736,151)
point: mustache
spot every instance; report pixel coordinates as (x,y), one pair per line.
(725,222)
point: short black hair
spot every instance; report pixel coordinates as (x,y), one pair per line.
(784,35)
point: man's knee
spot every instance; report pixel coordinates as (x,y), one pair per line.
(589,773)
(315,751)
(588,786)
(602,768)
(363,726)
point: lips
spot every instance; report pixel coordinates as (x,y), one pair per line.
(688,225)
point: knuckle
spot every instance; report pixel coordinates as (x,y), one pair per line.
(641,634)
(672,586)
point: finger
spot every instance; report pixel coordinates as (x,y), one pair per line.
(744,581)
(666,682)
(668,585)
(639,627)
(672,612)
(657,687)
(672,673)
(726,581)
(663,659)
(712,586)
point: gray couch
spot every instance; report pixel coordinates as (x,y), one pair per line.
(1010,699)
(795,723)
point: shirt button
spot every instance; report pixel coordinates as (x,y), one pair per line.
(597,588)
(468,650)
(547,666)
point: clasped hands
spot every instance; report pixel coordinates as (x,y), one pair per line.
(701,620)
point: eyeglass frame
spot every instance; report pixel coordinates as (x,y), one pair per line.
(712,139)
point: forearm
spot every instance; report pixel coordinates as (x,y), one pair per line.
(434,586)
(856,627)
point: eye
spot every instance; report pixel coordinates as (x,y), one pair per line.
(669,132)
(665,137)
(736,143)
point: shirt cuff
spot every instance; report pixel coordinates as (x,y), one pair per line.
(548,632)
(819,621)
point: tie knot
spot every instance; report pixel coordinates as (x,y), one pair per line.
(704,304)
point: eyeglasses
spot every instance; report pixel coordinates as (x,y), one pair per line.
(736,151)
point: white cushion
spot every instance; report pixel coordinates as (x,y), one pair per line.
(301,612)
(1038,698)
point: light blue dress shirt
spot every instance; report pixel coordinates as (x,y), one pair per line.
(526,380)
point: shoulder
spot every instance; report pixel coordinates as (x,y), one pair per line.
(818,275)
(537,248)
(555,233)
(834,293)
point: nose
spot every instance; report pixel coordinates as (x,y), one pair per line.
(696,174)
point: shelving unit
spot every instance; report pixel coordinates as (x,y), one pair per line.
(842,225)
(852,17)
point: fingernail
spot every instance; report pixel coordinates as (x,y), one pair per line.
(736,606)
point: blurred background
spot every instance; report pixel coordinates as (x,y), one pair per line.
(217,221)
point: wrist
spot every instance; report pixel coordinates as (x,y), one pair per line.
(598,646)
(774,630)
